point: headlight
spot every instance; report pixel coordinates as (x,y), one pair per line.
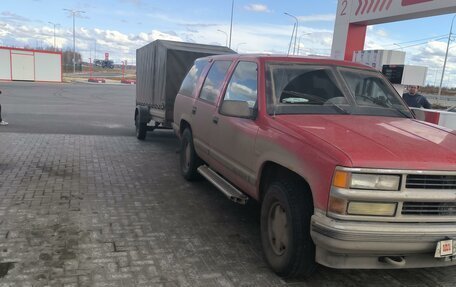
(345,179)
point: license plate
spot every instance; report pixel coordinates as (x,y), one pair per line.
(445,248)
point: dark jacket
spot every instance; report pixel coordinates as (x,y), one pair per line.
(416,101)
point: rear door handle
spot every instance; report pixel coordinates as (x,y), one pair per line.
(215,120)
(194,110)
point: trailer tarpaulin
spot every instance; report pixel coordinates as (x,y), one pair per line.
(160,69)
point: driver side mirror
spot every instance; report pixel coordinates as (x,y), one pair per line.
(238,109)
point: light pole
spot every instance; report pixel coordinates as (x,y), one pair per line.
(74,13)
(446,58)
(400,47)
(231,23)
(291,39)
(226,36)
(299,42)
(54,24)
(296,30)
(237,47)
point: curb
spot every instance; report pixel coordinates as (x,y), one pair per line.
(96,80)
(130,82)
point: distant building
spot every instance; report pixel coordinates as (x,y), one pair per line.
(30,65)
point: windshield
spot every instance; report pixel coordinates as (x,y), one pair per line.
(308,89)
(369,89)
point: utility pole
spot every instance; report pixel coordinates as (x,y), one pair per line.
(74,13)
(446,58)
(54,24)
(231,23)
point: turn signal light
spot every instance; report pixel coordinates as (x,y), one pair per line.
(341,179)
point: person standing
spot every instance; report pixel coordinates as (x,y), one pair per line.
(415,100)
(2,122)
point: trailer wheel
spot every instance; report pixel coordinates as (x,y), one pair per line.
(189,160)
(285,229)
(141,129)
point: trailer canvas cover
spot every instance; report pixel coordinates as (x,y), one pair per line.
(161,67)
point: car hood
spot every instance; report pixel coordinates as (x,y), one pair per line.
(381,142)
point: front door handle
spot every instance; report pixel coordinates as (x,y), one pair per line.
(215,120)
(194,110)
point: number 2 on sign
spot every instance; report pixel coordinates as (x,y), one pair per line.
(344,7)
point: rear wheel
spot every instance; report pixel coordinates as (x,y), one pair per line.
(285,229)
(189,160)
(141,129)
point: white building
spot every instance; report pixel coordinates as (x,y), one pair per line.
(30,65)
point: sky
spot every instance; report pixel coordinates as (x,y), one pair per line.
(119,27)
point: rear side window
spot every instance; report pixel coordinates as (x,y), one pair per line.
(214,80)
(189,83)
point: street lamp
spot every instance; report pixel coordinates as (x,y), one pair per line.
(446,58)
(74,13)
(237,47)
(291,39)
(226,36)
(54,24)
(400,47)
(231,23)
(295,30)
(299,42)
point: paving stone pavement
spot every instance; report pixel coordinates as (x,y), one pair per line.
(81,210)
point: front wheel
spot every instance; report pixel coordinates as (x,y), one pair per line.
(285,229)
(189,160)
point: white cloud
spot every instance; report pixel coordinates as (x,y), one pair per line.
(257,8)
(258,38)
(382,33)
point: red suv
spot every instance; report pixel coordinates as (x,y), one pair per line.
(346,176)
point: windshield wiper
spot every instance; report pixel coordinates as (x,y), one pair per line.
(385,104)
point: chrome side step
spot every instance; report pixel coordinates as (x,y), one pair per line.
(224,186)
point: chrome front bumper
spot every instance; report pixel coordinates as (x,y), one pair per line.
(357,244)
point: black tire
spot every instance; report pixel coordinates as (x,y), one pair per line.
(189,160)
(141,129)
(290,253)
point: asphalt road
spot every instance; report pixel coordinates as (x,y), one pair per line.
(90,109)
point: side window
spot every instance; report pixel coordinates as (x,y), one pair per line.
(214,80)
(243,85)
(189,83)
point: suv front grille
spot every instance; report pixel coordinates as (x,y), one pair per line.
(420,181)
(429,208)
